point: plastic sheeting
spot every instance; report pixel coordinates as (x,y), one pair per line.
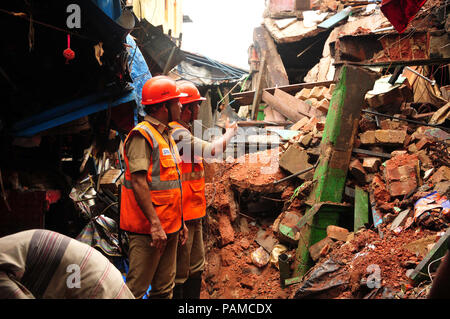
(433,201)
(139,73)
(322,279)
(101,232)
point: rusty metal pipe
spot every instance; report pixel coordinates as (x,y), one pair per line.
(285,269)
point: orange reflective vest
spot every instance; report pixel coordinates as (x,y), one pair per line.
(193,181)
(164,178)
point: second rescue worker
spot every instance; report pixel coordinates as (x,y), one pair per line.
(191,256)
(150,208)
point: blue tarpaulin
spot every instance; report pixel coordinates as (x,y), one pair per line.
(139,73)
(69,112)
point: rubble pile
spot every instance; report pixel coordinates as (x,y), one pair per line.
(365,255)
(397,177)
(405,174)
(242,200)
(244,205)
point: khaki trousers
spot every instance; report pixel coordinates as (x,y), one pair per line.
(191,256)
(149,267)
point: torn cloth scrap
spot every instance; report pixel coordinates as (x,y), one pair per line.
(401,12)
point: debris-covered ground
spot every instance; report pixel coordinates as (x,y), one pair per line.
(380,153)
(399,164)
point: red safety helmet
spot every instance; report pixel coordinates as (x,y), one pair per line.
(160,89)
(193,95)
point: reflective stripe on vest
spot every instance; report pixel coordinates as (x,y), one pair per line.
(165,190)
(193,181)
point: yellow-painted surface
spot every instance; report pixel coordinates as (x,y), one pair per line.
(167,13)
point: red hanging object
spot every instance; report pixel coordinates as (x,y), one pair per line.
(401,12)
(68,53)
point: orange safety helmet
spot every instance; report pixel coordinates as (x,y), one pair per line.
(159,89)
(193,95)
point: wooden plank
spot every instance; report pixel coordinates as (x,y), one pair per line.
(258,89)
(284,23)
(276,74)
(335,19)
(295,104)
(393,63)
(361,208)
(279,106)
(263,123)
(439,249)
(268,114)
(371,153)
(246,98)
(336,147)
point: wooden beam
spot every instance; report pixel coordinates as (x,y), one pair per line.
(246,98)
(361,208)
(281,107)
(439,249)
(293,103)
(258,88)
(268,114)
(263,123)
(276,74)
(335,153)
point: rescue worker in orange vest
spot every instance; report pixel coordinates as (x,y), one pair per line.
(191,256)
(150,209)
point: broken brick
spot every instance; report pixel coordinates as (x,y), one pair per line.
(303,94)
(297,126)
(320,248)
(371,164)
(367,124)
(306,139)
(226,230)
(379,190)
(331,88)
(393,125)
(394,96)
(442,187)
(442,174)
(357,170)
(423,143)
(367,137)
(320,126)
(338,233)
(318,93)
(295,160)
(398,152)
(288,222)
(425,161)
(401,174)
(311,123)
(390,136)
(412,148)
(323,105)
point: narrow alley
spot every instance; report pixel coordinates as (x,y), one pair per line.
(334,177)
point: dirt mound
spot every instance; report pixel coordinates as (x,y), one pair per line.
(230,273)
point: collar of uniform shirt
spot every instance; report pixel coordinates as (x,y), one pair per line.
(159,126)
(186,125)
